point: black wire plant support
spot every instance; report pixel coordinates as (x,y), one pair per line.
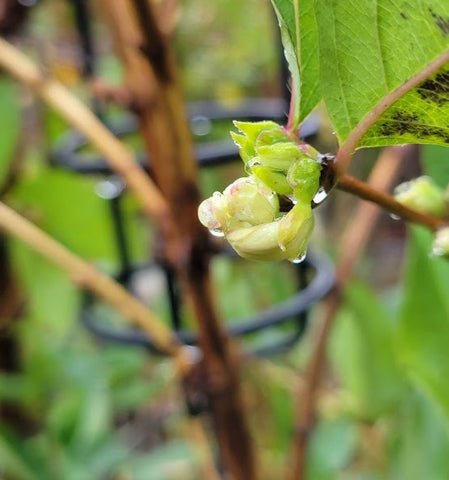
(69,155)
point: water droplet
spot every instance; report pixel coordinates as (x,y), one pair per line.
(200,125)
(320,196)
(110,188)
(394,216)
(254,162)
(216,232)
(300,258)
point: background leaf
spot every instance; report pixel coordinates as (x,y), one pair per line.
(423,330)
(420,442)
(435,163)
(331,449)
(300,38)
(368,49)
(9,124)
(363,355)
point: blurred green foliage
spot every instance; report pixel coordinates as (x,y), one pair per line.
(385,414)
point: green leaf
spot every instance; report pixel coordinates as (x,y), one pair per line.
(12,458)
(9,124)
(423,331)
(419,441)
(94,419)
(435,163)
(331,448)
(362,353)
(68,208)
(367,50)
(300,38)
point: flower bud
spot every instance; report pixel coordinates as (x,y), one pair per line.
(280,156)
(304,178)
(441,243)
(284,239)
(212,212)
(272,179)
(423,195)
(247,212)
(250,202)
(243,203)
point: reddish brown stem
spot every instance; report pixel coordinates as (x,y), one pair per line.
(387,202)
(152,77)
(352,244)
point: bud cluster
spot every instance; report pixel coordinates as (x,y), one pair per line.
(425,196)
(248,214)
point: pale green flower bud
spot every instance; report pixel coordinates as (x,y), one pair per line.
(441,243)
(212,213)
(283,239)
(247,212)
(304,178)
(274,136)
(279,156)
(245,202)
(250,202)
(272,179)
(423,195)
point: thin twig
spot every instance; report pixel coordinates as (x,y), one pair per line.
(349,146)
(198,434)
(352,244)
(87,276)
(365,191)
(120,158)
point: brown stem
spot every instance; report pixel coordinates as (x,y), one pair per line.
(351,246)
(387,202)
(151,75)
(349,146)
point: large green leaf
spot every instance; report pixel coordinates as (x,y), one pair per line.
(370,48)
(418,441)
(363,355)
(300,39)
(423,331)
(67,207)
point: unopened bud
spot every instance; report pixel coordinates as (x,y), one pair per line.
(243,203)
(283,239)
(423,195)
(440,245)
(250,202)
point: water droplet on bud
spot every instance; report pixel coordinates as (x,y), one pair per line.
(320,196)
(394,216)
(216,232)
(299,259)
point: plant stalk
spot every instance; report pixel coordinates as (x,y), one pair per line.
(152,78)
(365,191)
(120,157)
(87,276)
